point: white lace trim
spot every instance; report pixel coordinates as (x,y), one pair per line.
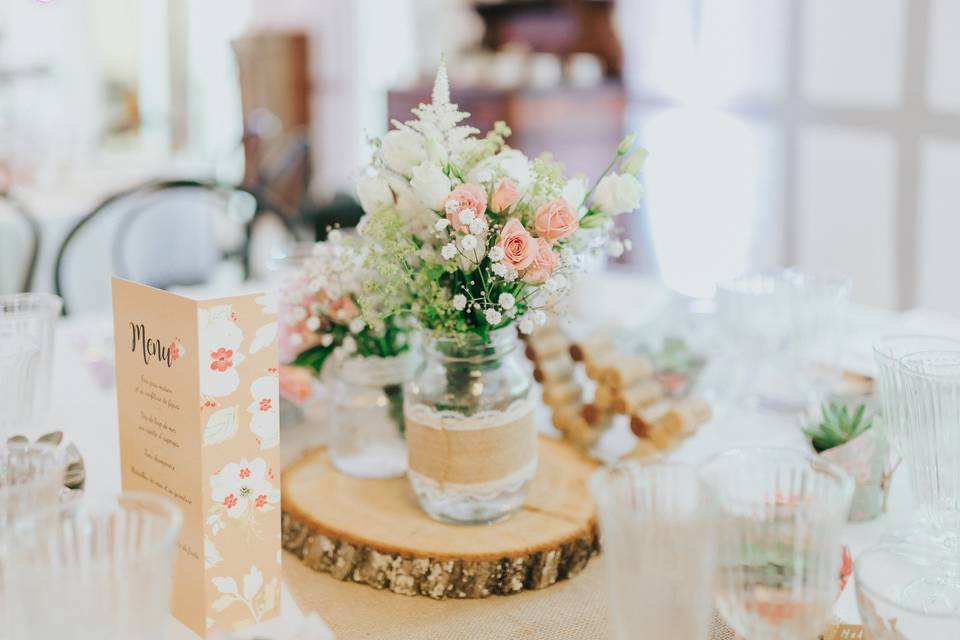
(477,491)
(455,421)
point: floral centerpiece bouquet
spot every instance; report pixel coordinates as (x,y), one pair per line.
(482,240)
(370,356)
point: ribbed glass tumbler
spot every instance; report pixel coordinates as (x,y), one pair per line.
(94,569)
(658,550)
(779,516)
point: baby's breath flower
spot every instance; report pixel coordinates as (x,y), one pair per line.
(468,243)
(296,339)
(492,316)
(459,302)
(496,254)
(466,216)
(499,269)
(441,224)
(476,227)
(526,325)
(357,325)
(313,323)
(349,344)
(449,251)
(539,317)
(506,300)
(326,339)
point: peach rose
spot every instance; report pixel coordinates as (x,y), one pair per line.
(344,309)
(544,264)
(519,247)
(466,197)
(556,219)
(505,195)
(296,384)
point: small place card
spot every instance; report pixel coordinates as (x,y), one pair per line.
(197,395)
(844,632)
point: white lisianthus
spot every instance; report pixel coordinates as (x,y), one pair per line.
(634,162)
(574,191)
(526,325)
(624,147)
(477,227)
(402,150)
(617,194)
(468,243)
(313,323)
(496,254)
(459,302)
(374,193)
(357,325)
(430,184)
(506,300)
(492,316)
(449,251)
(441,224)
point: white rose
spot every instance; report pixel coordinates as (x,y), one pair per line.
(574,191)
(459,302)
(430,184)
(374,193)
(492,316)
(506,300)
(402,150)
(617,194)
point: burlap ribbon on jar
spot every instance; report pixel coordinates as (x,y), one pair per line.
(462,451)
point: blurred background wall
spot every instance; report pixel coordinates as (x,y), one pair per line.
(811,132)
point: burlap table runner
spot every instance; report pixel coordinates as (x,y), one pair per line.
(570,610)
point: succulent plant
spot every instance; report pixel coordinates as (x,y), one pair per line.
(837,426)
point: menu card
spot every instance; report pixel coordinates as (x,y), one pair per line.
(198,395)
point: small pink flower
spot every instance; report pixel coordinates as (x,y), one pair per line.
(544,264)
(505,195)
(260,502)
(230,501)
(245,473)
(556,219)
(174,352)
(344,309)
(465,197)
(222,359)
(519,247)
(265,404)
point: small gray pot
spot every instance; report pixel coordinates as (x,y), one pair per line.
(867,460)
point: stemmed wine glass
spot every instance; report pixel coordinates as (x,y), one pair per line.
(779,514)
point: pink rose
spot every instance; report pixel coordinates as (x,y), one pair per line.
(519,247)
(505,195)
(296,385)
(556,219)
(466,197)
(544,264)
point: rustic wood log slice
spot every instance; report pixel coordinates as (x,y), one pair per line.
(373,531)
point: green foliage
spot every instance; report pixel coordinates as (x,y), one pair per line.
(837,426)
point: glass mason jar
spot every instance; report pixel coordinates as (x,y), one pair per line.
(367,415)
(471,440)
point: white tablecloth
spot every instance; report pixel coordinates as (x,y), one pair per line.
(87,413)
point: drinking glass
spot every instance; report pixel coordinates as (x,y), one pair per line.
(931,388)
(779,517)
(894,596)
(94,569)
(819,310)
(26,358)
(657,549)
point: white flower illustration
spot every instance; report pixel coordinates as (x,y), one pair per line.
(268,303)
(211,557)
(264,411)
(221,426)
(243,486)
(265,336)
(220,340)
(256,597)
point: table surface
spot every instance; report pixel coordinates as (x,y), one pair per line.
(86,411)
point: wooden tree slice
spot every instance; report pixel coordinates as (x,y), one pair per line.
(373,531)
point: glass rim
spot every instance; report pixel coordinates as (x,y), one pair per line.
(59,456)
(603,476)
(909,370)
(844,480)
(165,507)
(14,299)
(878,350)
(867,587)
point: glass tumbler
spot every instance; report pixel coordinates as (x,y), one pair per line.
(94,569)
(26,359)
(779,517)
(894,597)
(658,551)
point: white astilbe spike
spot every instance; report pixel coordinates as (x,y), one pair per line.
(441,84)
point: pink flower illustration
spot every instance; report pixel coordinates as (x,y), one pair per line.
(222,359)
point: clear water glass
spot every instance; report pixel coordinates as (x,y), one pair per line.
(887,353)
(367,415)
(895,599)
(27,323)
(931,387)
(94,569)
(658,553)
(779,517)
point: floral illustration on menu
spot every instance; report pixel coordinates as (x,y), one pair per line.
(257,597)
(220,340)
(263,410)
(240,491)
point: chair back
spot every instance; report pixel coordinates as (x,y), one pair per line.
(19,245)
